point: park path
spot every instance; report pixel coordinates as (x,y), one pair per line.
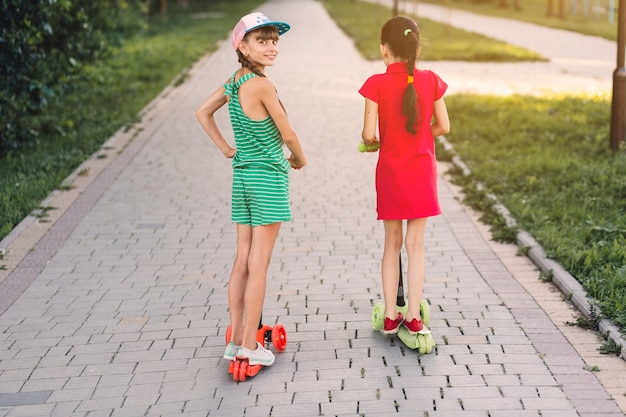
(120,308)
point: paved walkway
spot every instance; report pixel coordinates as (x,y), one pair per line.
(117,306)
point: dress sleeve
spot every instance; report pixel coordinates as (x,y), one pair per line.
(440,86)
(370,90)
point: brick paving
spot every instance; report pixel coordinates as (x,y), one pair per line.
(121,308)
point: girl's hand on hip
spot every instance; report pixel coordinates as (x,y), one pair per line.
(230,153)
(295,163)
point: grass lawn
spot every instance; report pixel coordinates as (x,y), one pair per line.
(362,22)
(589,17)
(110,96)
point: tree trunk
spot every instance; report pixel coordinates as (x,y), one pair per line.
(562,9)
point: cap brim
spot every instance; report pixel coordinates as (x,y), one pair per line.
(282,27)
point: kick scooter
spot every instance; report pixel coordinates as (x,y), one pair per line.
(423,341)
(239,368)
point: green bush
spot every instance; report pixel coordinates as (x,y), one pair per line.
(108,94)
(43,47)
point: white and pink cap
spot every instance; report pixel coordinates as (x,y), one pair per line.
(254,21)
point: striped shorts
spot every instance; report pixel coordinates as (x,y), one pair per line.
(260,197)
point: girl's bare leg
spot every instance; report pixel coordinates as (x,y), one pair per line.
(390,267)
(237,282)
(261,247)
(414,244)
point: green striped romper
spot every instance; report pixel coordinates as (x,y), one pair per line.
(260,193)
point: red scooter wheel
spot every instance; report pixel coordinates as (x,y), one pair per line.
(243,370)
(279,337)
(234,369)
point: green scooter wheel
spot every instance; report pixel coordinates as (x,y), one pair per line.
(378,316)
(421,344)
(425,343)
(431,343)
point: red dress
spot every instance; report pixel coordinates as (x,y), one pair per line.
(406,173)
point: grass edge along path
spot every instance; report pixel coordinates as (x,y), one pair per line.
(556,176)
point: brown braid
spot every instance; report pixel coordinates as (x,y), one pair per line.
(404,43)
(409,107)
(245,62)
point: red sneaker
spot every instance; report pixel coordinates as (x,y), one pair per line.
(414,326)
(392,326)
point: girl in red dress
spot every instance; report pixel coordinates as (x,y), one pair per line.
(408,106)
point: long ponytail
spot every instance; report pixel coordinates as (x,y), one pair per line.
(245,62)
(409,106)
(401,34)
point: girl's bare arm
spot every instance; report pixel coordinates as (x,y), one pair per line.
(205,113)
(276,111)
(441,125)
(369,122)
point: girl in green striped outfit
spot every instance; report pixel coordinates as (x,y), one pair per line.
(260,193)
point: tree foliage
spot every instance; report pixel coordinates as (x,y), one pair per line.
(43,45)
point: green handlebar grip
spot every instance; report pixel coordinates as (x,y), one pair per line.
(373,147)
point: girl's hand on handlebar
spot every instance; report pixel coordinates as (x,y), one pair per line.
(372,147)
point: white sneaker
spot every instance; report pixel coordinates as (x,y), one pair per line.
(231,351)
(259,356)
